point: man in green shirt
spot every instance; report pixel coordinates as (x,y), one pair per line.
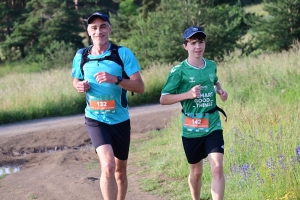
(194,83)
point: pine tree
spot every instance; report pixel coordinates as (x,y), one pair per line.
(278,30)
(45,21)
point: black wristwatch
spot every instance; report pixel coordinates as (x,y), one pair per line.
(119,80)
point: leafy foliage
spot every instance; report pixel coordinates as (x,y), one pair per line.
(158,38)
(280,29)
(46,21)
(128,7)
(151,28)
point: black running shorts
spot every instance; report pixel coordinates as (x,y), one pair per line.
(197,149)
(117,135)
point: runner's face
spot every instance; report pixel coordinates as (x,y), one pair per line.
(195,48)
(99,30)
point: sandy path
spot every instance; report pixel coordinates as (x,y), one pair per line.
(67,173)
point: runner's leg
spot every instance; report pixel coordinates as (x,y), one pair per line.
(121,178)
(108,183)
(194,179)
(218,180)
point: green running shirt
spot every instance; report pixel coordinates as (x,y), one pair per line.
(181,79)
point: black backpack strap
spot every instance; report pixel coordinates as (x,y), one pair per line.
(114,56)
(84,58)
(217,108)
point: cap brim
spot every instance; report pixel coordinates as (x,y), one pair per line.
(195,33)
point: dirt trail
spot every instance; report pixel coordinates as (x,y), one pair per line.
(57,161)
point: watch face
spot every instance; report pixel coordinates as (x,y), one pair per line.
(119,80)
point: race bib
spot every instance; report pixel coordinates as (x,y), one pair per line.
(102,104)
(196,122)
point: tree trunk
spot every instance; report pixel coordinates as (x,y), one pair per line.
(23,55)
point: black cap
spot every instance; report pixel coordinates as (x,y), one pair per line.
(98,14)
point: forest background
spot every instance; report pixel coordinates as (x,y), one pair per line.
(35,31)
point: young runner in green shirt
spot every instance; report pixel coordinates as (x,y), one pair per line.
(194,83)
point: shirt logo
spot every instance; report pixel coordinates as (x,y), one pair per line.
(192,79)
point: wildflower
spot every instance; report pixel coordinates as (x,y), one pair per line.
(234,169)
(245,172)
(271,135)
(280,161)
(298,153)
(260,180)
(270,163)
(245,167)
(226,177)
(272,175)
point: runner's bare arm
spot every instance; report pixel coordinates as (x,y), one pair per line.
(134,84)
(167,99)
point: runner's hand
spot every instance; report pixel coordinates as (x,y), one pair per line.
(102,77)
(223,95)
(82,86)
(195,92)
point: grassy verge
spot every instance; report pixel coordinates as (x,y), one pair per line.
(26,96)
(261,136)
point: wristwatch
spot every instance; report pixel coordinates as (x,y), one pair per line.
(119,80)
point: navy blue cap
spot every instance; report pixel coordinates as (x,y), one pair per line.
(98,14)
(189,32)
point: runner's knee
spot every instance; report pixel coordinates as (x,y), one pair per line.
(217,171)
(197,174)
(108,169)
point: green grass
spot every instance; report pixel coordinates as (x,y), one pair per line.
(33,196)
(2,176)
(27,96)
(93,165)
(260,136)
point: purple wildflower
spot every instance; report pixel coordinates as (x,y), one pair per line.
(245,167)
(245,172)
(298,153)
(272,175)
(270,163)
(281,161)
(281,131)
(271,134)
(260,180)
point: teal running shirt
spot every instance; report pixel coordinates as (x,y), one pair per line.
(196,122)
(103,100)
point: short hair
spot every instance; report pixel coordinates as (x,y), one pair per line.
(198,36)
